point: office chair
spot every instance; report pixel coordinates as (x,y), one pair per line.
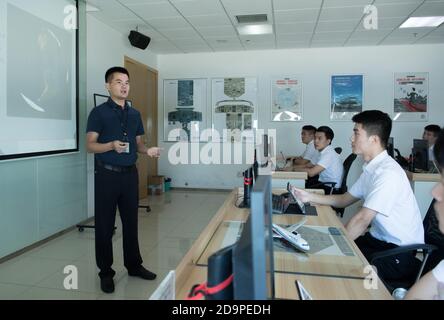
(338,150)
(434,236)
(428,255)
(329,187)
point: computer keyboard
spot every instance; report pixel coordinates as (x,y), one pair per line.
(340,241)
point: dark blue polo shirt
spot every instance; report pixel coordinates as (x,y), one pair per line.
(109,120)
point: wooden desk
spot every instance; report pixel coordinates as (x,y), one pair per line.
(192,268)
(422,185)
(291,260)
(338,289)
(280,179)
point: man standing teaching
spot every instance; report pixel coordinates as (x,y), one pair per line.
(114,135)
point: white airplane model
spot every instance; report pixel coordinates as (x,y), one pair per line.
(290,235)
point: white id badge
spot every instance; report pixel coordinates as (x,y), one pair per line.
(127,149)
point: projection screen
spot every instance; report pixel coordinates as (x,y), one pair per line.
(38,78)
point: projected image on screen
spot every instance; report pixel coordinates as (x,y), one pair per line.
(48,93)
(38,70)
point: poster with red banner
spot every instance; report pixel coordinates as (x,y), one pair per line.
(410,96)
(286,99)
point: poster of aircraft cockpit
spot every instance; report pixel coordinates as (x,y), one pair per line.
(410,96)
(234,108)
(184,109)
(347,95)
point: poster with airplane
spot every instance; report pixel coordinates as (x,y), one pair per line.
(410,96)
(346,96)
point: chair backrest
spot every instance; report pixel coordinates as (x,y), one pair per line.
(338,150)
(347,165)
(433,235)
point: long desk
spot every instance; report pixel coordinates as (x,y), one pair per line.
(279,179)
(316,271)
(422,185)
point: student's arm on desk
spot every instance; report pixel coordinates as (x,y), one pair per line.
(298,161)
(314,170)
(303,167)
(359,223)
(336,200)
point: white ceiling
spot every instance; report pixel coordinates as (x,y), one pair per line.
(183,26)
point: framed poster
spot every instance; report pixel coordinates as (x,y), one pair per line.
(346,96)
(410,96)
(184,109)
(234,108)
(286,99)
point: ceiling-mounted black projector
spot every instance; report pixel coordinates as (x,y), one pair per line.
(139,40)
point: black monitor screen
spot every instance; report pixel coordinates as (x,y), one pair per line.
(390,148)
(420,153)
(253,255)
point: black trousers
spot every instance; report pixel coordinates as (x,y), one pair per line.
(112,190)
(311,181)
(397,267)
(314,183)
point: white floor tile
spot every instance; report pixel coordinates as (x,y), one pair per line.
(165,235)
(29,270)
(35,293)
(11,291)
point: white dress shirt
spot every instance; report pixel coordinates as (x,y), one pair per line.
(431,155)
(331,161)
(310,153)
(385,188)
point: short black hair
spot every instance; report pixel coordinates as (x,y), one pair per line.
(433,128)
(438,149)
(375,122)
(309,127)
(329,134)
(109,73)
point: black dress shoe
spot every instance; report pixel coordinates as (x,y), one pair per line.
(107,285)
(143,273)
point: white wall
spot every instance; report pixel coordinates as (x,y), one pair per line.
(315,66)
(106,48)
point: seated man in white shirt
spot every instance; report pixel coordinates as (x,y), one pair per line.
(431,286)
(431,134)
(328,165)
(310,154)
(389,207)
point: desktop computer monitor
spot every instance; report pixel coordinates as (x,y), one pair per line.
(420,155)
(253,267)
(391,148)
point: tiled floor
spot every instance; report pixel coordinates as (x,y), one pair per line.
(165,235)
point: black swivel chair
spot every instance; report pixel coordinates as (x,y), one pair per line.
(434,236)
(338,150)
(428,255)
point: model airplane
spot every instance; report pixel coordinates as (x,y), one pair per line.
(291,236)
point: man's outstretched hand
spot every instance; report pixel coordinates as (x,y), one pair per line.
(154,152)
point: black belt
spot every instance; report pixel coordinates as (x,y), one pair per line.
(115,168)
